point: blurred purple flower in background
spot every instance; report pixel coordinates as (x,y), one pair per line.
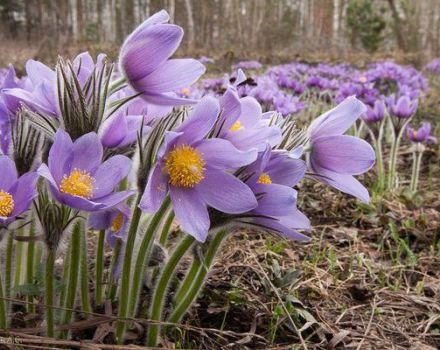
(422,134)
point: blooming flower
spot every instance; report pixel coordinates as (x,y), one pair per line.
(76,176)
(243,125)
(422,134)
(16,193)
(195,173)
(335,157)
(144,61)
(403,107)
(272,177)
(375,114)
(114,221)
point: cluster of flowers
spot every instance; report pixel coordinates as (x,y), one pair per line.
(288,88)
(113,145)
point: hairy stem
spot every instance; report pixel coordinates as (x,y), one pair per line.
(30,265)
(160,291)
(85,297)
(49,292)
(99,268)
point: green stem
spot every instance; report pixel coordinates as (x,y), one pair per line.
(85,298)
(8,267)
(159,294)
(49,293)
(99,268)
(417,162)
(18,261)
(189,278)
(142,257)
(126,273)
(30,265)
(112,286)
(66,264)
(185,302)
(72,281)
(2,307)
(166,228)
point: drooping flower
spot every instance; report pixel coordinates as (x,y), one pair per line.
(144,61)
(272,177)
(16,193)
(114,221)
(422,134)
(334,157)
(195,172)
(241,123)
(77,177)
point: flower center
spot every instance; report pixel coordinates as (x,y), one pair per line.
(79,183)
(237,126)
(117,222)
(185,166)
(6,204)
(264,179)
(186,91)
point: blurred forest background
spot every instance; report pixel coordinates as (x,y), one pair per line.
(261,29)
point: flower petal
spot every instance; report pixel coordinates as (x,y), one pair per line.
(285,170)
(191,212)
(155,191)
(250,112)
(87,153)
(343,154)
(274,200)
(221,154)
(226,193)
(337,120)
(110,174)
(172,75)
(23,192)
(9,173)
(60,155)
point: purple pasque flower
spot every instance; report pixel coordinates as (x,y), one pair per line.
(375,114)
(403,107)
(16,193)
(241,123)
(144,61)
(195,172)
(38,91)
(272,177)
(334,157)
(422,134)
(77,177)
(114,221)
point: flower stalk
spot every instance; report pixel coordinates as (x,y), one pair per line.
(417,162)
(99,268)
(49,293)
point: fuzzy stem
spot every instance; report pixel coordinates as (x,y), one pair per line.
(112,286)
(166,228)
(393,154)
(66,264)
(159,294)
(18,261)
(189,278)
(197,284)
(126,273)
(2,307)
(72,281)
(143,254)
(8,264)
(417,162)
(85,297)
(49,292)
(30,265)
(99,268)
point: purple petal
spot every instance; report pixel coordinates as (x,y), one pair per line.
(24,192)
(110,174)
(344,183)
(114,199)
(200,121)
(101,220)
(250,111)
(191,212)
(60,155)
(230,109)
(87,153)
(274,200)
(343,154)
(44,171)
(155,192)
(245,139)
(279,228)
(37,72)
(286,171)
(167,99)
(226,193)
(8,173)
(338,120)
(221,154)
(172,75)
(143,52)
(114,131)
(158,18)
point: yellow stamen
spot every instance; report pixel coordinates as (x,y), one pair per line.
(117,222)
(237,126)
(264,179)
(186,91)
(185,166)
(78,183)
(6,204)
(363,79)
